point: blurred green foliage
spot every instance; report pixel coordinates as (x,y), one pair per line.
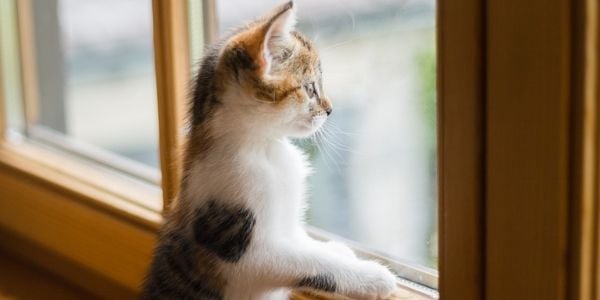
(426,69)
(426,72)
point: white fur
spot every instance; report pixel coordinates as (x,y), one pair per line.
(252,162)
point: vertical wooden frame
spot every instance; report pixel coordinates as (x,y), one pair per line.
(585,177)
(172,76)
(7,23)
(461,148)
(529,97)
(3,121)
(595,282)
(27,48)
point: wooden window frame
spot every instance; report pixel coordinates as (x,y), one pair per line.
(584,232)
(172,61)
(513,194)
(519,149)
(31,106)
(532,96)
(461,104)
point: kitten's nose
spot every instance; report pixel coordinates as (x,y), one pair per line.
(328,110)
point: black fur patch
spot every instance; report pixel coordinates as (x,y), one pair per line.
(322,282)
(204,95)
(174,272)
(225,231)
(238,59)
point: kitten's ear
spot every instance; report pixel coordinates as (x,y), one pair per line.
(279,23)
(274,31)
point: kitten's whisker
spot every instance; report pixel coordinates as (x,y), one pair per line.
(325,148)
(332,139)
(335,138)
(312,130)
(334,147)
(333,125)
(320,150)
(336,141)
(335,152)
(339,145)
(337,45)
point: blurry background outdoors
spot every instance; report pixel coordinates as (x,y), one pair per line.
(375,165)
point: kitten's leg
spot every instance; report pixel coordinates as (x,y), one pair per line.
(334,246)
(300,265)
(339,248)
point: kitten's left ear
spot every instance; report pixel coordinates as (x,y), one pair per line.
(279,23)
(273,33)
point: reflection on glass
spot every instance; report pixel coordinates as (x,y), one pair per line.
(95,70)
(375,161)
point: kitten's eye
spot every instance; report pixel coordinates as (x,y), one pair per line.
(310,90)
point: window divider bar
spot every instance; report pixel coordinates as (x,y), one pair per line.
(3,109)
(585,175)
(171,55)
(29,78)
(461,148)
(209,21)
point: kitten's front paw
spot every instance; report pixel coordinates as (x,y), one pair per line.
(341,249)
(376,282)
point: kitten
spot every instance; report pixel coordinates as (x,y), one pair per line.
(236,230)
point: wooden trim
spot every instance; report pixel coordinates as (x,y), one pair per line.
(592,100)
(68,224)
(97,285)
(107,159)
(81,182)
(595,14)
(27,49)
(527,170)
(401,293)
(7,20)
(460,148)
(3,119)
(585,177)
(171,52)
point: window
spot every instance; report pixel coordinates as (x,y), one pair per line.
(87,73)
(375,160)
(79,86)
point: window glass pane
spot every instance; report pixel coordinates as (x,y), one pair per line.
(375,161)
(95,76)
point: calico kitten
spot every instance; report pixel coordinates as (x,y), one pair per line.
(236,230)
